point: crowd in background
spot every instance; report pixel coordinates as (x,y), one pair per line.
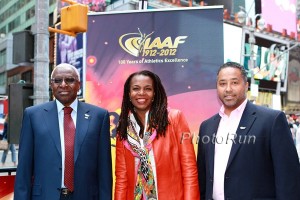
(294,123)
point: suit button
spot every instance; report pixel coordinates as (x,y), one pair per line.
(211,180)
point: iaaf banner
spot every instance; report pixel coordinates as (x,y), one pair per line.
(183,46)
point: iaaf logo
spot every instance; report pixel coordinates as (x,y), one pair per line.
(139,43)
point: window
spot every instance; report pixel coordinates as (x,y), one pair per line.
(2,78)
(3,30)
(13,79)
(27,76)
(2,57)
(30,13)
(12,25)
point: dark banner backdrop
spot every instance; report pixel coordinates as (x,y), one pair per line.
(183,46)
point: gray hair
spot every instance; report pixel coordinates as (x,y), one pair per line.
(63,65)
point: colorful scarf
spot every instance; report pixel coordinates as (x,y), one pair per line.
(145,183)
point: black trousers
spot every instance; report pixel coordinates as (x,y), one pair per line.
(66,197)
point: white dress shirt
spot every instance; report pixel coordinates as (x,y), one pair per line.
(223,143)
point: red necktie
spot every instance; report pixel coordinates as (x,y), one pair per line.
(69,133)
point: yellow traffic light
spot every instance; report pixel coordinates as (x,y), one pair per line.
(74,18)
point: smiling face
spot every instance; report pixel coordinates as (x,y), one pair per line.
(231,88)
(64,92)
(141,93)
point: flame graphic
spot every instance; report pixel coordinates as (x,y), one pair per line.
(133,43)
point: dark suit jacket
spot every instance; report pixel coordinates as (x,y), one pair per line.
(264,168)
(39,170)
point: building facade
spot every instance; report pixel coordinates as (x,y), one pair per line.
(18,15)
(15,16)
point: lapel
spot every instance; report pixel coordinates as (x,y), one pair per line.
(212,129)
(51,121)
(82,123)
(247,121)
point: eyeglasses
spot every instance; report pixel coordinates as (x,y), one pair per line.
(67,80)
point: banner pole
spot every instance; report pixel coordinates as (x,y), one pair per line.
(143,4)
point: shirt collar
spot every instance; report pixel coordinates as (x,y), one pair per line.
(73,105)
(239,109)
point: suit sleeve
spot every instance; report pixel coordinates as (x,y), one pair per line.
(121,177)
(187,159)
(105,165)
(23,181)
(285,160)
(201,164)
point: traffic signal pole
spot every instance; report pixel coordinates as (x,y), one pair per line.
(41,53)
(73,19)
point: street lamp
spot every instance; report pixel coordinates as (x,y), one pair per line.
(251,25)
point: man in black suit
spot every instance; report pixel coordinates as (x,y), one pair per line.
(245,151)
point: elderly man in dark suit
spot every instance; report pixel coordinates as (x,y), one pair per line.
(246,151)
(64,146)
